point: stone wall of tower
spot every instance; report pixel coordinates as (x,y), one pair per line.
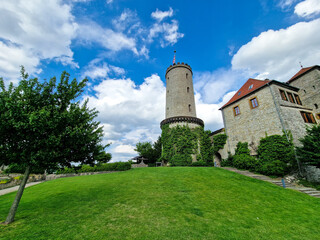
(309,85)
(180,94)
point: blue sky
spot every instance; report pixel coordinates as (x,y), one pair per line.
(124,47)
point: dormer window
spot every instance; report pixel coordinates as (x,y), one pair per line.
(251,86)
(239,93)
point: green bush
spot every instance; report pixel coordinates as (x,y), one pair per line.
(228,162)
(86,168)
(116,166)
(201,164)
(181,160)
(66,170)
(245,161)
(310,151)
(274,168)
(4,181)
(276,155)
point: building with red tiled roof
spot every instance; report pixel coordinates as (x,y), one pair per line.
(270,107)
(303,71)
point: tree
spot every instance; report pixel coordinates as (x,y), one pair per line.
(150,151)
(309,152)
(42,126)
(104,157)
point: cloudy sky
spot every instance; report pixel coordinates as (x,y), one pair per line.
(125,46)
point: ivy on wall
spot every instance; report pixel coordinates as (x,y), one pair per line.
(218,142)
(180,143)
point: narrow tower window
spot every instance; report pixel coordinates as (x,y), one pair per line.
(187,89)
(316,106)
(189,107)
(186,75)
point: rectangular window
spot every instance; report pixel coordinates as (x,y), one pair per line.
(297,99)
(290,96)
(283,95)
(254,103)
(308,117)
(236,110)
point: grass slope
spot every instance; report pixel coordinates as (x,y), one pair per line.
(162,203)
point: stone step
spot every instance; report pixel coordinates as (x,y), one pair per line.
(311,191)
(314,194)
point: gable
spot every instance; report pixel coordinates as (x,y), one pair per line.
(250,86)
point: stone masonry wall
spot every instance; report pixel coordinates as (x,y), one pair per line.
(309,85)
(179,92)
(251,124)
(290,114)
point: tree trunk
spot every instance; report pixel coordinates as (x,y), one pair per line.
(16,201)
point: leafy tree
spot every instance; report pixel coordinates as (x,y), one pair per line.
(309,152)
(43,127)
(150,151)
(104,157)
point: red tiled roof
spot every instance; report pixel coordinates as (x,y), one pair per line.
(302,71)
(244,90)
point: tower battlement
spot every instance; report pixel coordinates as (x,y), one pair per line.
(178,65)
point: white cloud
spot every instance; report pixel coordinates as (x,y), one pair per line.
(160,15)
(98,69)
(35,30)
(129,149)
(12,57)
(285,4)
(210,113)
(276,54)
(214,85)
(109,1)
(168,33)
(307,8)
(91,32)
(129,113)
(127,21)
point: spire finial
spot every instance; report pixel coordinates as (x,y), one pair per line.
(174,57)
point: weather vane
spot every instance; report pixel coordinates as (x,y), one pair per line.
(301,65)
(174,57)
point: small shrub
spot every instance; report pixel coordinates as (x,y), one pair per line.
(274,168)
(4,181)
(19,178)
(66,170)
(86,168)
(228,162)
(245,161)
(181,160)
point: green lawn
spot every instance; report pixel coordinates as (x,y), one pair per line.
(162,203)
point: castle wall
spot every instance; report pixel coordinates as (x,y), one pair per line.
(251,124)
(291,113)
(309,85)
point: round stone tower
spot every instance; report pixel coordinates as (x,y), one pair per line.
(180,104)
